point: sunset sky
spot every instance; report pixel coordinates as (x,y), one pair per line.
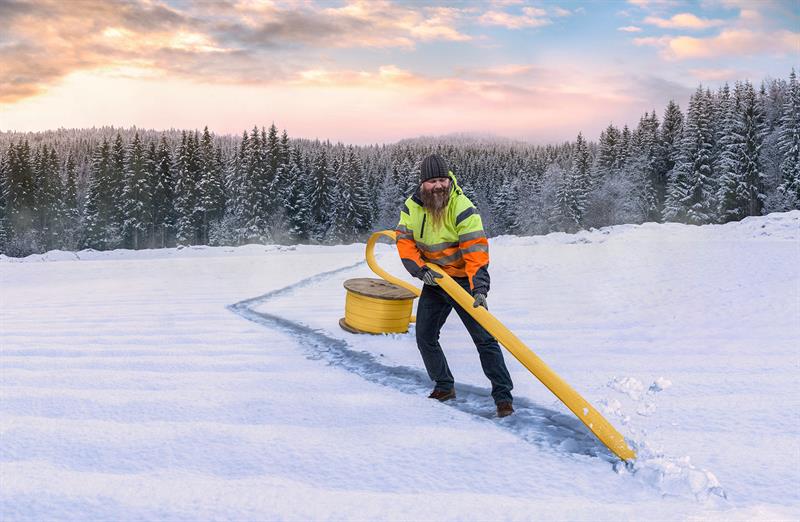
(379,70)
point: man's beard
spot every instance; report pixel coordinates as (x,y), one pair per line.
(435,202)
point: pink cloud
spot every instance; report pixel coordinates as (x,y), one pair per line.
(730,42)
(682,21)
(530,17)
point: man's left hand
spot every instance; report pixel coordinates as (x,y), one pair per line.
(480,300)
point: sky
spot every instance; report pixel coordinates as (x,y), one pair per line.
(376,71)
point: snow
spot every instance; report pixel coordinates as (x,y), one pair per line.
(215,383)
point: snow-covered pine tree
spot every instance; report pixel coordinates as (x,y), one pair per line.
(607,160)
(341,228)
(116,184)
(582,165)
(252,214)
(731,139)
(321,195)
(569,204)
(668,149)
(502,217)
(789,143)
(97,211)
(162,210)
(281,189)
(390,200)
(21,202)
(4,225)
(185,190)
(136,196)
(210,203)
(691,194)
(363,221)
(572,191)
(624,148)
(48,191)
(640,168)
(268,167)
(752,124)
(298,208)
(408,176)
(72,215)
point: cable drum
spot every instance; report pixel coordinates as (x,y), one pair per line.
(376,306)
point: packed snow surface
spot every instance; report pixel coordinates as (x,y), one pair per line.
(215,383)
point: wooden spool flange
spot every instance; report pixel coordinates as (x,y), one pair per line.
(376,306)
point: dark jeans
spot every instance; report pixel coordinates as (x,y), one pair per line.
(432,311)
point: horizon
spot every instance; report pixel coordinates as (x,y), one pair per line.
(367,73)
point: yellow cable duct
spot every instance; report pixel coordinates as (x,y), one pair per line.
(598,425)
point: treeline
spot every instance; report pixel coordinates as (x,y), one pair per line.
(735,153)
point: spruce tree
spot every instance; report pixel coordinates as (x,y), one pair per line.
(72,215)
(607,161)
(162,202)
(5,231)
(210,200)
(753,126)
(298,209)
(48,191)
(640,168)
(321,195)
(789,143)
(136,196)
(691,193)
(97,208)
(253,214)
(185,191)
(20,201)
(117,184)
(667,151)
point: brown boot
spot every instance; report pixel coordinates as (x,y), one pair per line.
(504,408)
(443,395)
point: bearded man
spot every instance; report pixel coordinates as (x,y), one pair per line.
(440,225)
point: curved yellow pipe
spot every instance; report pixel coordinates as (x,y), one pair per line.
(592,418)
(370,255)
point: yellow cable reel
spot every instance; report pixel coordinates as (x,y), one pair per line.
(376,314)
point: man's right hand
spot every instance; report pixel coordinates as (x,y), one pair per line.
(429,276)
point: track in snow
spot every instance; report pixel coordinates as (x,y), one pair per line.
(533,423)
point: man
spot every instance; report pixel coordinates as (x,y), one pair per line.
(441,225)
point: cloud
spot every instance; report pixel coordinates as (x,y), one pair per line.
(652,3)
(530,17)
(244,41)
(729,43)
(629,29)
(682,21)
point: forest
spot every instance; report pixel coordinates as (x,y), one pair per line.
(733,153)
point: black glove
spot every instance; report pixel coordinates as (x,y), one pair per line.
(429,276)
(480,300)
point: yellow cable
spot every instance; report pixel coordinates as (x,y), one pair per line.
(598,425)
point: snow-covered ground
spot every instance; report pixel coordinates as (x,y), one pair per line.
(215,383)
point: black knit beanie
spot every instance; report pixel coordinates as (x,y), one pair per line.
(433,166)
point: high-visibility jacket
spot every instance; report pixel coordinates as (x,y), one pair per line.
(459,246)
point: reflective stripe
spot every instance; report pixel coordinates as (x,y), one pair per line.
(465,214)
(405,235)
(402,228)
(437,247)
(445,260)
(471,235)
(476,248)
